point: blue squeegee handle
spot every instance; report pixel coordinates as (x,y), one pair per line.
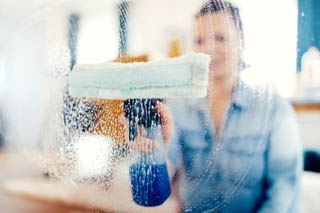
(141,112)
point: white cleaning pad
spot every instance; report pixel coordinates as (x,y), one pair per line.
(185,76)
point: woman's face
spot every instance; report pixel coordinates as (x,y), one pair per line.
(216,35)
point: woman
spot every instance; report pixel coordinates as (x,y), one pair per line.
(238,148)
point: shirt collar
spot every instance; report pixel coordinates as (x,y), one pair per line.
(241,96)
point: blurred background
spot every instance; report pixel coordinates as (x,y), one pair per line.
(41,40)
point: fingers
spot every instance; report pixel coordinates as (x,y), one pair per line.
(141,144)
(166,122)
(164,113)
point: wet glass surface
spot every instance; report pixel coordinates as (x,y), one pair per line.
(219,153)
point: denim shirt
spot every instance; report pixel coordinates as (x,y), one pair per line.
(253,164)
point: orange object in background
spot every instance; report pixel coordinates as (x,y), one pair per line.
(175,49)
(128,59)
(108,120)
(110,111)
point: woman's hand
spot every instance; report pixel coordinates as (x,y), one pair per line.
(142,143)
(166,123)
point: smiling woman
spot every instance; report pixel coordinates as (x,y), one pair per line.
(239,148)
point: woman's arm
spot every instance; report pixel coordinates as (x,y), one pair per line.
(284,163)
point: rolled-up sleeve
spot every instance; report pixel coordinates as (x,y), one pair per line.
(284,162)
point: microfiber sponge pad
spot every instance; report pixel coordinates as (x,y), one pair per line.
(185,76)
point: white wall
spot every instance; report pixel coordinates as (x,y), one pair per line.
(271,42)
(22,102)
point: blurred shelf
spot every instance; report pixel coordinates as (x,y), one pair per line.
(306,106)
(307,100)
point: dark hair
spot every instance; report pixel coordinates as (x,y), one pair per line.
(215,6)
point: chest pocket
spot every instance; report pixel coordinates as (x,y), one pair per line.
(246,158)
(247,145)
(195,147)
